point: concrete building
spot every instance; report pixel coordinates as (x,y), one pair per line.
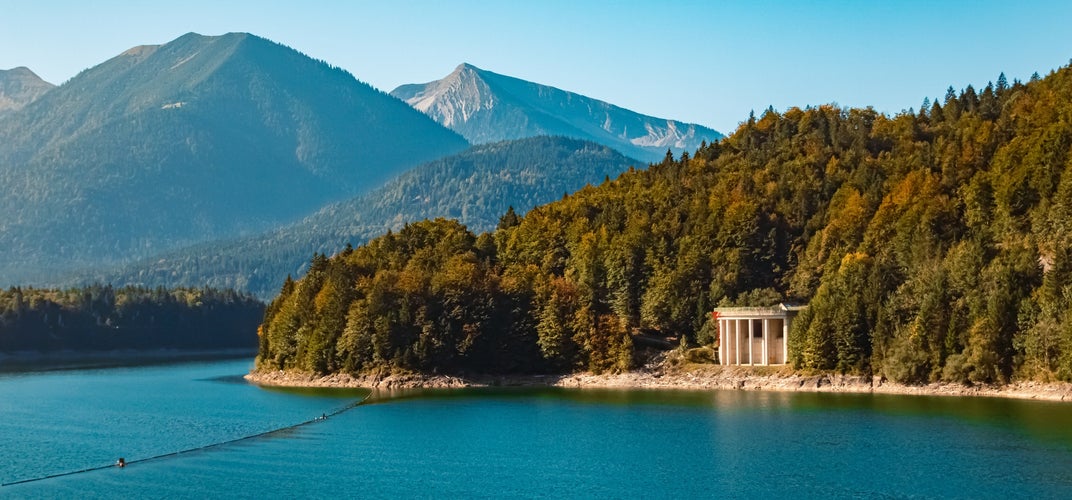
(756,336)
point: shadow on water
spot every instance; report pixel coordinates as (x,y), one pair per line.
(321,392)
(36,363)
(227,379)
(1047,422)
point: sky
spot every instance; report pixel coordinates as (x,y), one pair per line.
(709,62)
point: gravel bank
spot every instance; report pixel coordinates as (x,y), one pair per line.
(696,377)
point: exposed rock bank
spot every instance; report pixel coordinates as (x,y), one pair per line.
(702,377)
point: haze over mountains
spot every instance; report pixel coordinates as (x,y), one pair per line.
(486,107)
(476,187)
(200,138)
(188,163)
(19,87)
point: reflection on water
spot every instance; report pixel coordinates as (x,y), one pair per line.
(518,442)
(31,363)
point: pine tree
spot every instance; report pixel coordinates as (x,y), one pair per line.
(509,219)
(950,95)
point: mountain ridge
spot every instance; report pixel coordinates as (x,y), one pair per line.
(485,106)
(204,136)
(20,86)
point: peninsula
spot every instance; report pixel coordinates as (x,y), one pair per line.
(933,250)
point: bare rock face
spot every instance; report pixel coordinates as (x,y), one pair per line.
(487,107)
(19,87)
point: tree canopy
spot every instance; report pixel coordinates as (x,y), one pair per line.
(103,318)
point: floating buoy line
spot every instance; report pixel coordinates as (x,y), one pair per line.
(321,418)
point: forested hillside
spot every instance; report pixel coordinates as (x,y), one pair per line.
(102,318)
(475,186)
(931,245)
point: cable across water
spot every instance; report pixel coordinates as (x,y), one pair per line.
(321,418)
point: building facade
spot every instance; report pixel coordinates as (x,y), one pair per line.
(754,336)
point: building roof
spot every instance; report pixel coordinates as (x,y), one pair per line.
(779,310)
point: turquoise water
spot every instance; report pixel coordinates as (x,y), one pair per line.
(531,443)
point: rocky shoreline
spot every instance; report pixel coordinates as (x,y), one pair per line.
(697,378)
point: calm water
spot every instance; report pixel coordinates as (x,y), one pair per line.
(515,443)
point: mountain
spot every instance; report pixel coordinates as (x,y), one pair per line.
(19,87)
(196,139)
(477,187)
(488,107)
(929,247)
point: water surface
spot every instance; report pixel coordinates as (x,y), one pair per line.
(532,443)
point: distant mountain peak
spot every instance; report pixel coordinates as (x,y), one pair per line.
(484,107)
(140,51)
(452,101)
(18,87)
(232,35)
(20,71)
(202,136)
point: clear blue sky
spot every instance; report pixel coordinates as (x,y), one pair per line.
(708,62)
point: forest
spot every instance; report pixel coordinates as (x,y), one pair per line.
(103,318)
(931,245)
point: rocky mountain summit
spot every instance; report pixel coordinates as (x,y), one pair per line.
(19,87)
(487,107)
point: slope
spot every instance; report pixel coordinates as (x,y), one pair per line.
(485,107)
(476,187)
(19,87)
(195,139)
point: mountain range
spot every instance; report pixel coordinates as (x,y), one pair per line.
(200,138)
(228,160)
(19,87)
(487,107)
(476,187)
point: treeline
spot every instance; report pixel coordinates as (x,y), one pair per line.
(102,318)
(931,245)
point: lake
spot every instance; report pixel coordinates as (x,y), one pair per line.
(529,443)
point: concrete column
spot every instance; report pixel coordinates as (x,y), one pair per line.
(721,343)
(737,341)
(751,359)
(785,340)
(766,341)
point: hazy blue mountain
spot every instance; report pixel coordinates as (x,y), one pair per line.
(476,187)
(201,138)
(487,107)
(19,87)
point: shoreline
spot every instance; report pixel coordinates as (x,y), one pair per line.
(696,379)
(31,361)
